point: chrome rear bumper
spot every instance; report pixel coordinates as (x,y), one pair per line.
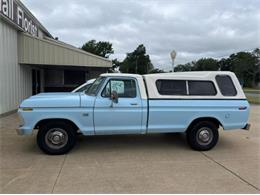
(247,127)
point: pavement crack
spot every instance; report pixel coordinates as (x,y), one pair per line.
(230,171)
(62,165)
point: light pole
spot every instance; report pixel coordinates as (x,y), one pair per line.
(173,56)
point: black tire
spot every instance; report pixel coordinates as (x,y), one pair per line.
(63,131)
(196,138)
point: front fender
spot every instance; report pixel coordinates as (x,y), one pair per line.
(81,117)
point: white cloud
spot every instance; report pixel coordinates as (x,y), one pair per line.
(194,29)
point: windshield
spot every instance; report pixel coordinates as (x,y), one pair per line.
(93,89)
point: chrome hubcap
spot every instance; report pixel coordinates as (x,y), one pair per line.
(204,136)
(56,138)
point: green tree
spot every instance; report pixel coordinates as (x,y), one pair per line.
(137,61)
(101,48)
(206,64)
(116,63)
(225,64)
(256,53)
(246,66)
(184,67)
(203,64)
(156,70)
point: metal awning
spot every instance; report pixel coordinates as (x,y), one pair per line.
(47,51)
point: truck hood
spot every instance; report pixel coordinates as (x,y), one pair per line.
(52,100)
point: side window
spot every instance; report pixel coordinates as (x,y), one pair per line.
(171,87)
(124,88)
(226,85)
(202,88)
(84,88)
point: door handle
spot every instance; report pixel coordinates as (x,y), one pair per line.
(134,104)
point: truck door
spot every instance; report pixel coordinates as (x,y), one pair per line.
(123,117)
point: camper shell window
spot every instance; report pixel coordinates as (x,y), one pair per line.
(226,85)
(171,87)
(186,87)
(202,88)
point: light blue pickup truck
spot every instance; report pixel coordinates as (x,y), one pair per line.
(197,103)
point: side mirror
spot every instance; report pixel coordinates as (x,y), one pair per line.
(114,96)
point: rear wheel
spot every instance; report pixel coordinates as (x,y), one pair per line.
(203,136)
(56,137)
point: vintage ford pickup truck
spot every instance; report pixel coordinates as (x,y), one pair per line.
(197,103)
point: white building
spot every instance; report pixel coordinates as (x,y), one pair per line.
(32,61)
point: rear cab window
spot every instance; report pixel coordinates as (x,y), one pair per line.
(226,85)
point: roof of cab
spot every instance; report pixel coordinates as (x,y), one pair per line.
(121,75)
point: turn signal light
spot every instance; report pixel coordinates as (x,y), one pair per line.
(27,109)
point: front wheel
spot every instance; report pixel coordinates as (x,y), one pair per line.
(56,138)
(203,136)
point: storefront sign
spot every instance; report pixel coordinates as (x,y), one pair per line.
(14,12)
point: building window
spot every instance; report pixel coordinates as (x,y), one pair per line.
(171,87)
(226,85)
(201,88)
(74,77)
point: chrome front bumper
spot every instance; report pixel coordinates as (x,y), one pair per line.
(23,131)
(20,131)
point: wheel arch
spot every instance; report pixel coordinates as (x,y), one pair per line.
(45,121)
(210,119)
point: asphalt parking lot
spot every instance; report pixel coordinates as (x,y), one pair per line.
(132,163)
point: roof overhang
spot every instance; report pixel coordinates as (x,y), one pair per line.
(33,51)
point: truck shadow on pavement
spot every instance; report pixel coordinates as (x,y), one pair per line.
(174,141)
(128,142)
(171,141)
